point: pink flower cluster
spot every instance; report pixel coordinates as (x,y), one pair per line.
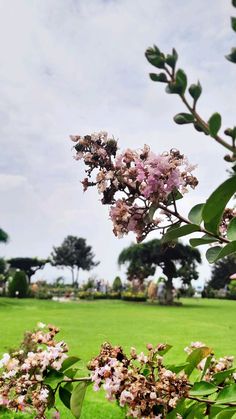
(23,372)
(150,394)
(147,181)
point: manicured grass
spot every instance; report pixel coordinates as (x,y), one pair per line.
(85,325)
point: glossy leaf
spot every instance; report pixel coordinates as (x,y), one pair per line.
(155,57)
(172,59)
(195,91)
(227,395)
(203,388)
(231,231)
(214,124)
(71,360)
(195,214)
(233,23)
(228,413)
(181,80)
(196,356)
(77,398)
(216,203)
(53,378)
(175,233)
(183,118)
(219,377)
(176,367)
(161,77)
(217,252)
(65,396)
(201,241)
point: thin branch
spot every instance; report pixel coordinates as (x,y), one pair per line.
(208,401)
(186,221)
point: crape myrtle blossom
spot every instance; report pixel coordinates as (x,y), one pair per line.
(145,181)
(23,371)
(151,394)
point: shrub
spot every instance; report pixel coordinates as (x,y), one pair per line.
(18,286)
(117,284)
(138,297)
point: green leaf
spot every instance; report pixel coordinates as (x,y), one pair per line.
(183,118)
(196,356)
(165,350)
(233,23)
(65,396)
(227,413)
(155,57)
(217,252)
(71,360)
(181,80)
(53,378)
(202,240)
(203,388)
(71,372)
(172,59)
(212,253)
(206,366)
(216,203)
(232,56)
(176,367)
(214,124)
(161,77)
(195,91)
(175,233)
(77,398)
(219,377)
(234,3)
(227,395)
(231,231)
(195,214)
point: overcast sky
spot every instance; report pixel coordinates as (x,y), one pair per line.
(78,66)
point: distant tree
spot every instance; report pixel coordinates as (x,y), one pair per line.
(29,265)
(221,271)
(3,236)
(3,266)
(74,254)
(18,286)
(179,261)
(117,284)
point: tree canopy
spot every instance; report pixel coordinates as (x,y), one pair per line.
(27,264)
(221,271)
(3,236)
(74,254)
(179,261)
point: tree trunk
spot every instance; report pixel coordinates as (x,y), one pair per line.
(169,291)
(76,283)
(73,277)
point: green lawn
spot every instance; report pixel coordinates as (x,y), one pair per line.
(85,325)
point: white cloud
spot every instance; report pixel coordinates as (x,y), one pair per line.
(70,66)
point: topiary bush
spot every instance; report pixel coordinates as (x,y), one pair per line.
(18,286)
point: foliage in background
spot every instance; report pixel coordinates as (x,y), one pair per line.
(179,261)
(27,264)
(74,254)
(18,285)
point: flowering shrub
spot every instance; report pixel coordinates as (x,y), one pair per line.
(142,383)
(147,181)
